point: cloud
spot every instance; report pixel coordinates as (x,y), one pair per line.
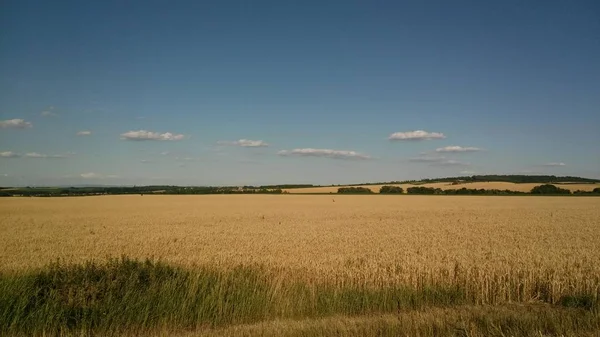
(455,148)
(15,124)
(145,161)
(416,135)
(93,175)
(48,113)
(554,164)
(142,135)
(468,172)
(328,153)
(438,161)
(84,133)
(40,155)
(451,162)
(9,154)
(244,143)
(427,159)
(165,153)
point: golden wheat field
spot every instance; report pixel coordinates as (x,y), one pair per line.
(369,239)
(490,185)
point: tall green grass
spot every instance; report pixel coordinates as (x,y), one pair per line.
(129,296)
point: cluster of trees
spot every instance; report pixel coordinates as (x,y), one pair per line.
(354,190)
(391,190)
(594,191)
(518,179)
(460,191)
(423,190)
(512,178)
(542,189)
(549,189)
(222,190)
(284,186)
(85,191)
(272,189)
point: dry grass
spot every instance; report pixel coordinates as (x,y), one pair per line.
(492,250)
(375,240)
(458,321)
(498,185)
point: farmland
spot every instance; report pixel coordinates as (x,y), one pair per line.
(326,261)
(490,185)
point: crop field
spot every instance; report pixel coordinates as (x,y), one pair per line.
(300,265)
(491,185)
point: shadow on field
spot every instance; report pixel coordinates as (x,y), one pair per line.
(129,296)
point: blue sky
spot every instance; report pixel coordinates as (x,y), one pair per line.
(258,92)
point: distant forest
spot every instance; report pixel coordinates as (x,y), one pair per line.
(517,179)
(83,191)
(279,189)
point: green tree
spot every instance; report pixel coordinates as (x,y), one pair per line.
(391,190)
(354,190)
(549,189)
(421,190)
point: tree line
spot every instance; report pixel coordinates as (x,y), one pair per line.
(511,178)
(177,190)
(546,189)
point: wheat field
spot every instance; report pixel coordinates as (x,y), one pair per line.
(490,185)
(373,239)
(495,250)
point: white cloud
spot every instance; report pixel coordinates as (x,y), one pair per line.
(48,113)
(468,172)
(451,162)
(554,164)
(245,143)
(15,124)
(142,135)
(165,153)
(328,153)
(145,161)
(40,155)
(427,159)
(84,133)
(438,161)
(9,154)
(455,148)
(416,135)
(93,175)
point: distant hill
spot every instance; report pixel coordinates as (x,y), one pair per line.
(518,179)
(511,178)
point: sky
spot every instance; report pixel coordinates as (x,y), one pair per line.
(271,92)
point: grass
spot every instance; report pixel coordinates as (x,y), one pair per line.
(128,296)
(300,266)
(462,321)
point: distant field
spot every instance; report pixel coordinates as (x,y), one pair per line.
(526,187)
(331,261)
